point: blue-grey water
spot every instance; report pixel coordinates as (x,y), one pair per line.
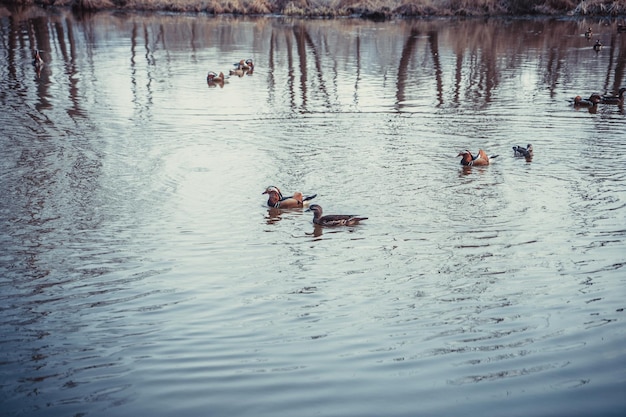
(141,272)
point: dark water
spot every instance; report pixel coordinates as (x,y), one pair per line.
(141,274)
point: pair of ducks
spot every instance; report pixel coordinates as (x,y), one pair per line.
(482,159)
(596,98)
(242,67)
(298,200)
(597,46)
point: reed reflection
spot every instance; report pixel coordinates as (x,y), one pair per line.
(405,66)
(482,51)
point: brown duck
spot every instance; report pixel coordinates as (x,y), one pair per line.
(481,159)
(332,220)
(587,102)
(213,77)
(247,64)
(618,99)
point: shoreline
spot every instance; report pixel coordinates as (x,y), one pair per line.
(364,9)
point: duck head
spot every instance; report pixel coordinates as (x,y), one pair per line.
(467,157)
(273,190)
(316,209)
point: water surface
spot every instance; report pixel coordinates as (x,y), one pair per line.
(142,274)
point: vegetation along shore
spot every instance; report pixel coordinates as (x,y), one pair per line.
(381,9)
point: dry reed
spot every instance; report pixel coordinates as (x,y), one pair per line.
(365,8)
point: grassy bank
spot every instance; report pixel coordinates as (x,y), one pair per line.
(365,8)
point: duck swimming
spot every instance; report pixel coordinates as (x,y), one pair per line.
(213,77)
(619,99)
(332,220)
(588,34)
(481,159)
(587,102)
(37,60)
(526,152)
(248,64)
(239,72)
(597,46)
(277,200)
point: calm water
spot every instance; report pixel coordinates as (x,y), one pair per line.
(141,273)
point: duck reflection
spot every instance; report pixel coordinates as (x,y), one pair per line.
(274,215)
(590,103)
(319,230)
(468,169)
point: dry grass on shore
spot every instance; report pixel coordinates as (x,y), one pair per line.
(364,8)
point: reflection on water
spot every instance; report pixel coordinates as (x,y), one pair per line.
(141,272)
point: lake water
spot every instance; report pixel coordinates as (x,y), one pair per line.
(141,272)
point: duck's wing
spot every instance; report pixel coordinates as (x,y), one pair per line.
(340,219)
(288,202)
(356,220)
(298,195)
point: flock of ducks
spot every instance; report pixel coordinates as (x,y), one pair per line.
(595,99)
(243,67)
(298,200)
(277,200)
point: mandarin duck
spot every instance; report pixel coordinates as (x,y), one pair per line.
(277,200)
(239,72)
(587,102)
(247,64)
(481,159)
(588,34)
(331,220)
(37,60)
(213,77)
(618,99)
(597,46)
(526,152)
